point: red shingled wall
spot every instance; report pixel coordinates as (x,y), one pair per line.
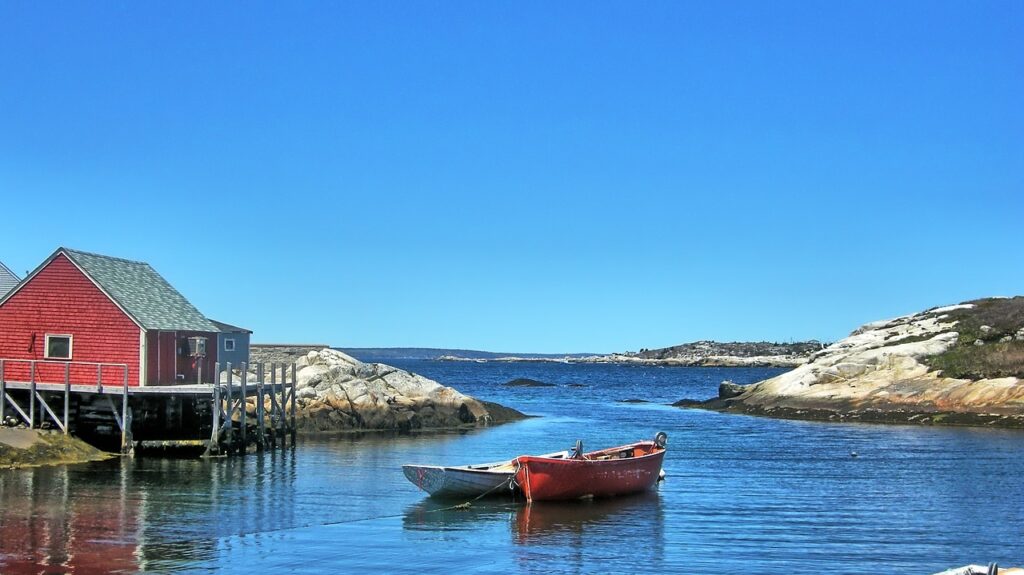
(60,299)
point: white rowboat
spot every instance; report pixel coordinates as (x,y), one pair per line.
(467,480)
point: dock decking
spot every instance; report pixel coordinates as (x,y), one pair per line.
(210,415)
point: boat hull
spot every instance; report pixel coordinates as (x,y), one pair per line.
(453,482)
(475,480)
(607,473)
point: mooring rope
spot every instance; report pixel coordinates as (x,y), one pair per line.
(511,484)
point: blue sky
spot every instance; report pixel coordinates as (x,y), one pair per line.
(544,177)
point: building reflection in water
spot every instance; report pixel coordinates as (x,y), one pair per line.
(146,514)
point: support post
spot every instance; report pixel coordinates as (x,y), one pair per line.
(3,394)
(295,384)
(126,421)
(261,432)
(67,397)
(32,396)
(274,408)
(215,434)
(229,420)
(242,399)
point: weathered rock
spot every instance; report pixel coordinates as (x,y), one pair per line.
(527,382)
(728,389)
(338,392)
(899,370)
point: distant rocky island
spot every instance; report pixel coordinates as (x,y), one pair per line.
(698,353)
(960,364)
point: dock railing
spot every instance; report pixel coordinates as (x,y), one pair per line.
(35,376)
(47,381)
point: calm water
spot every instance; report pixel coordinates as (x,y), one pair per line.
(743,494)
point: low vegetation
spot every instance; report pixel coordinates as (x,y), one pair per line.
(991,342)
(29,448)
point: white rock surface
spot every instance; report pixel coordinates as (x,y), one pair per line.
(872,368)
(336,391)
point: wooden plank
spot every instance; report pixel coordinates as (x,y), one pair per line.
(53,416)
(113,409)
(14,404)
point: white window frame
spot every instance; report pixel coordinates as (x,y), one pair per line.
(71,345)
(229,339)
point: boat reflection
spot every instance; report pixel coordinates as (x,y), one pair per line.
(538,521)
(550,519)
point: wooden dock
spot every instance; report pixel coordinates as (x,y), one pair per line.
(230,414)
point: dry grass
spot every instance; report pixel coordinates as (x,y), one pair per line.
(966,360)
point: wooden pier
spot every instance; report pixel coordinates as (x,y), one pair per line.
(230,414)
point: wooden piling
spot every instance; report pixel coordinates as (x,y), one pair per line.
(295,384)
(261,437)
(242,405)
(214,446)
(126,421)
(67,398)
(3,394)
(32,397)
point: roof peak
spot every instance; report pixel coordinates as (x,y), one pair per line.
(106,257)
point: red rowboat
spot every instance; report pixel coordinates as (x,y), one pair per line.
(605,473)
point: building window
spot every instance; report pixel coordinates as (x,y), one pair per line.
(58,346)
(229,344)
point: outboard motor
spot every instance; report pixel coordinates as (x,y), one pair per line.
(661,439)
(577,451)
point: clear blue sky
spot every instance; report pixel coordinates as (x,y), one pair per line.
(548,177)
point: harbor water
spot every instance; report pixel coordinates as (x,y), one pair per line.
(742,494)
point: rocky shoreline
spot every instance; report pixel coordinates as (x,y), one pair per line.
(954,365)
(32,448)
(694,354)
(337,392)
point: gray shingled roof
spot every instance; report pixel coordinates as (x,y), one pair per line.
(142,292)
(7,280)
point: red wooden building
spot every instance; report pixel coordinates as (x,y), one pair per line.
(79,309)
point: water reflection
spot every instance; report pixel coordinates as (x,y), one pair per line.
(572,523)
(572,519)
(127,516)
(43,527)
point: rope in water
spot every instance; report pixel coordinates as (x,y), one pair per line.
(511,484)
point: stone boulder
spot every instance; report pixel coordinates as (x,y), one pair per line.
(729,390)
(338,392)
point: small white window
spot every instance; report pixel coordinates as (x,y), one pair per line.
(58,346)
(229,344)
